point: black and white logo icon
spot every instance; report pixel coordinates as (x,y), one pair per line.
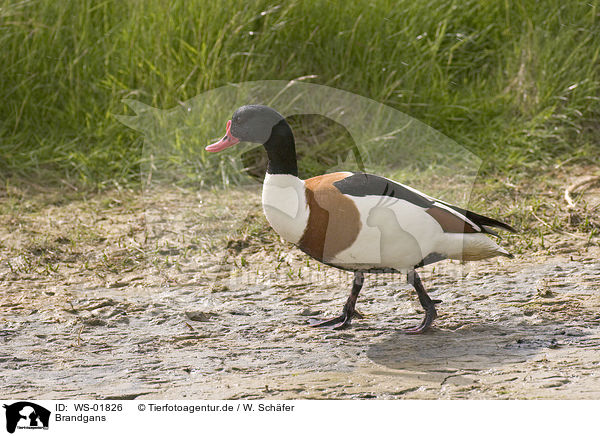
(26,415)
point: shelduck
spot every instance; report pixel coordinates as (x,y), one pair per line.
(356,221)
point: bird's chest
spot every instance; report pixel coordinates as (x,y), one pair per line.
(284,205)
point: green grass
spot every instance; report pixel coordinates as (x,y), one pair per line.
(518,82)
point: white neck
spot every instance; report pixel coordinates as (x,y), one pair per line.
(284,204)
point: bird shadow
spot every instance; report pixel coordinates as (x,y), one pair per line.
(473,348)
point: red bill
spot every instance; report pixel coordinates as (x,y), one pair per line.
(227,141)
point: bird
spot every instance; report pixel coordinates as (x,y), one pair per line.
(356,221)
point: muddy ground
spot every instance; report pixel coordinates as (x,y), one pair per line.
(180,294)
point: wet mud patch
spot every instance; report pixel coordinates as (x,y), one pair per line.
(188,295)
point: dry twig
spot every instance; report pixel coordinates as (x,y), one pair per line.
(583,182)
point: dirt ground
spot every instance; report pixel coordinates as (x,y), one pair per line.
(179,294)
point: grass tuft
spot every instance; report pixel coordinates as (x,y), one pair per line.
(517,83)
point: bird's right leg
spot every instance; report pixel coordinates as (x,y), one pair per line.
(349,312)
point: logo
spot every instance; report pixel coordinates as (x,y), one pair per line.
(26,415)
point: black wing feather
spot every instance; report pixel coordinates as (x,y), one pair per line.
(363,184)
(482,220)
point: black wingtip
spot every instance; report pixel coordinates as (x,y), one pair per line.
(506,227)
(482,220)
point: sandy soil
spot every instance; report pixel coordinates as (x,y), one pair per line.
(180,294)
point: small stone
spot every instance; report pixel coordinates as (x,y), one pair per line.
(93,321)
(310,312)
(196,315)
